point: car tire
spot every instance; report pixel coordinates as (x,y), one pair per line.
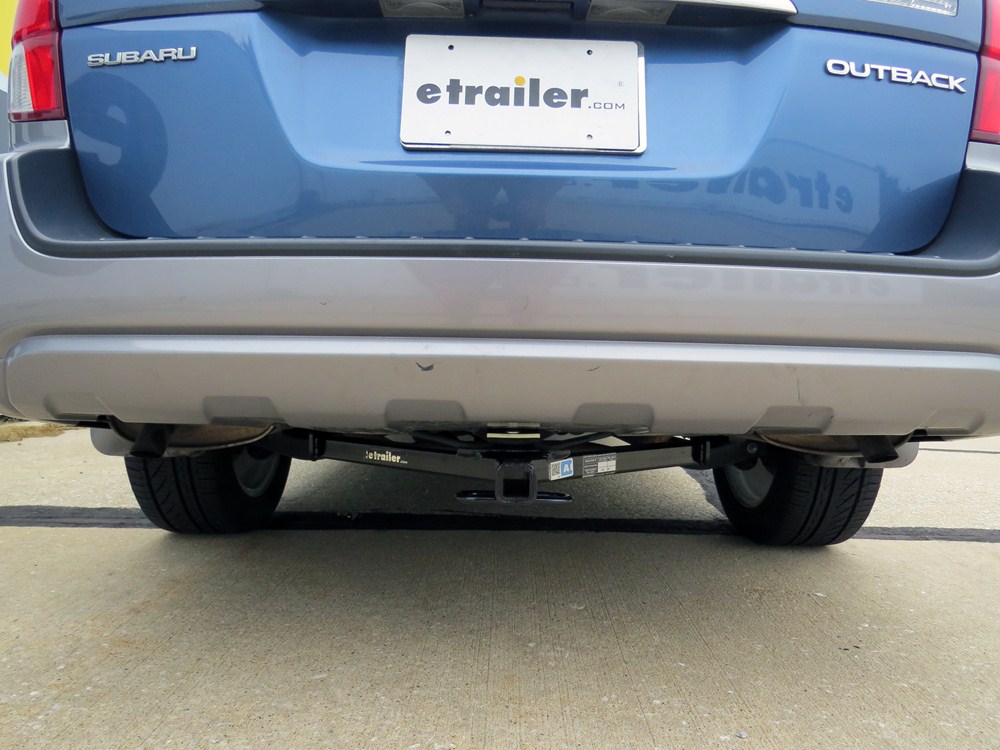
(220,492)
(781,499)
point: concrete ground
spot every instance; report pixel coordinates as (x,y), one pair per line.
(650,628)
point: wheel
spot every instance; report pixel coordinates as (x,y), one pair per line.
(220,492)
(781,499)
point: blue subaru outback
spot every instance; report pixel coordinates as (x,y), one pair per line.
(512,240)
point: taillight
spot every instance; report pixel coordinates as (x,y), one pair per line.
(986,120)
(35,84)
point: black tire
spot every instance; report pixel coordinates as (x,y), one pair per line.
(783,500)
(220,492)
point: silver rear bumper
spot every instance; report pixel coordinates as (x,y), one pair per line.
(724,343)
(378,383)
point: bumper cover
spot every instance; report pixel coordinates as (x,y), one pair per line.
(374,336)
(375,383)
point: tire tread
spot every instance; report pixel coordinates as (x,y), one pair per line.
(199,494)
(807,505)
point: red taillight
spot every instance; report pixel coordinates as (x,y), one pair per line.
(986,120)
(35,84)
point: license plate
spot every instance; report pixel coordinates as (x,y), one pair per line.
(513,94)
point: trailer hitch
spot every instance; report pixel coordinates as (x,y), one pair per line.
(516,483)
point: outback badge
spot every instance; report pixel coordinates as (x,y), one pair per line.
(894,74)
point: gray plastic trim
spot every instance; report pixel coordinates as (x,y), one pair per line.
(983,157)
(29,136)
(358,383)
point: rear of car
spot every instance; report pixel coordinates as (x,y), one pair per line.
(517,239)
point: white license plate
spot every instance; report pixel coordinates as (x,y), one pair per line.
(512,94)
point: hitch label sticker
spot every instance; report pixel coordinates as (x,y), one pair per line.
(605,463)
(561,469)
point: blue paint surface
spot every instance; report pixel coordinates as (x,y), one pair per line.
(288,126)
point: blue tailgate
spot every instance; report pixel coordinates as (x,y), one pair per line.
(769,134)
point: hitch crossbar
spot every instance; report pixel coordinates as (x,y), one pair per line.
(516,473)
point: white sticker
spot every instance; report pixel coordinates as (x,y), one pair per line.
(561,469)
(605,463)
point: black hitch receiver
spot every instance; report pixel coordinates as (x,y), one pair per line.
(516,482)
